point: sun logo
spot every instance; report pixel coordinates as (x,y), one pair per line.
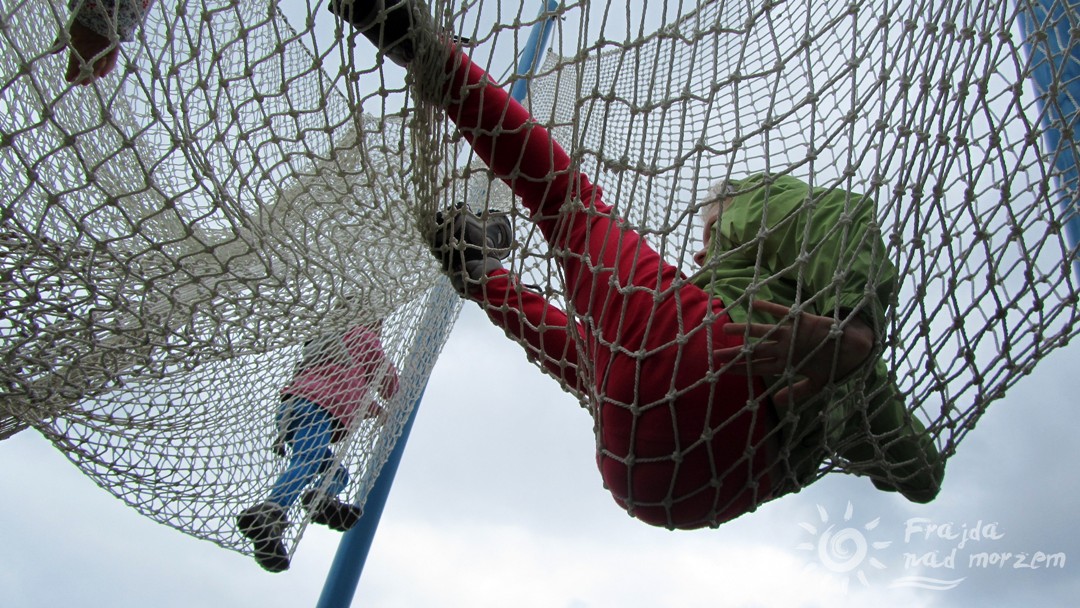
(844,549)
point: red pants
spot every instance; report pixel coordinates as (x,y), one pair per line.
(679,445)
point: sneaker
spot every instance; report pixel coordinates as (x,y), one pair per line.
(330,512)
(265,525)
(469,245)
(386,23)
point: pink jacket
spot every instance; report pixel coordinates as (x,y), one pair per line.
(336,372)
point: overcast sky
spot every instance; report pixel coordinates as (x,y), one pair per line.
(498,502)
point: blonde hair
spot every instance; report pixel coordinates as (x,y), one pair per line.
(720,193)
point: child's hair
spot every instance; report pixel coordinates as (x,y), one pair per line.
(720,193)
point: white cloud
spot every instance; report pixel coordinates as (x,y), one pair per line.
(497,565)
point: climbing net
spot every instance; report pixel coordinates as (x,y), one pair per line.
(174,234)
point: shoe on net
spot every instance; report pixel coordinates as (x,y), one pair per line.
(264,524)
(330,512)
(470,245)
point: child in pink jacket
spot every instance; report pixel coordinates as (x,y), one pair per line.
(328,394)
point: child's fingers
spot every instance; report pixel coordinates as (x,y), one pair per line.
(795,393)
(760,329)
(759,360)
(804,390)
(74,68)
(106,65)
(772,308)
(58,46)
(734,329)
(754,330)
(725,356)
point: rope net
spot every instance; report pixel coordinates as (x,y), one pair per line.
(926,108)
(248,181)
(172,237)
(924,112)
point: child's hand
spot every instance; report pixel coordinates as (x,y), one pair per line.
(98,53)
(811,346)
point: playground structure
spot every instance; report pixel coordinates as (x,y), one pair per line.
(174,233)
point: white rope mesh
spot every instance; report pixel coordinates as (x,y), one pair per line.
(174,233)
(928,110)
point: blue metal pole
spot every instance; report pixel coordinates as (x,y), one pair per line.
(534,49)
(1055,61)
(348,564)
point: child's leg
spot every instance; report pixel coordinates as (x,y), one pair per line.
(891,445)
(680,444)
(311,431)
(321,500)
(336,478)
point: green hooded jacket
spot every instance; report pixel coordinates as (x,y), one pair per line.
(782,241)
(844,269)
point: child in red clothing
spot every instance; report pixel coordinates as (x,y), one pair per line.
(680,444)
(686,436)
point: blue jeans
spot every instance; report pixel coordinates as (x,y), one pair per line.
(308,433)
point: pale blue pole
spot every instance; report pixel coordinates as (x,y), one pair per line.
(348,564)
(1055,70)
(534,50)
